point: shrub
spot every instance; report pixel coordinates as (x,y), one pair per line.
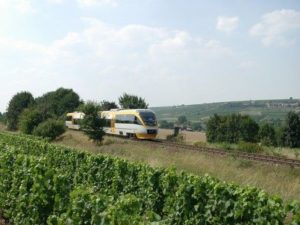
(178,138)
(92,125)
(225,145)
(249,147)
(200,144)
(267,135)
(50,129)
(41,183)
(17,104)
(30,119)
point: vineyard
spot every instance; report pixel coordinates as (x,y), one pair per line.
(45,184)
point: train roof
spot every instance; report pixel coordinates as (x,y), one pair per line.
(128,110)
(76,115)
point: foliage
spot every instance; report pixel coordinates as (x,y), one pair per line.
(200,144)
(16,105)
(249,129)
(92,125)
(291,132)
(127,101)
(249,147)
(58,102)
(165,124)
(175,138)
(267,135)
(261,111)
(2,117)
(232,129)
(42,183)
(106,105)
(197,126)
(30,119)
(50,129)
(182,120)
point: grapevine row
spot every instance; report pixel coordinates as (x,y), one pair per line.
(41,183)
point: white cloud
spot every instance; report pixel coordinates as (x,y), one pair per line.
(247,64)
(89,3)
(277,27)
(25,6)
(55,1)
(227,24)
(21,6)
(3,4)
(103,58)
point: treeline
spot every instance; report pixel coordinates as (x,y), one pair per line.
(41,116)
(45,115)
(235,128)
(182,122)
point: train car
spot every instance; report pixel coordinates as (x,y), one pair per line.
(139,123)
(72,121)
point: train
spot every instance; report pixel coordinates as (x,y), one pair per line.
(134,123)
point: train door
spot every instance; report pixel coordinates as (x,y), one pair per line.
(113,125)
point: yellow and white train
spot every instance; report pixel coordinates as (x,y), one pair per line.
(139,123)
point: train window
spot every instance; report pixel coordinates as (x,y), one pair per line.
(129,119)
(149,118)
(76,121)
(107,123)
(137,121)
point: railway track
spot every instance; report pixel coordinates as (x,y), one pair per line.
(237,154)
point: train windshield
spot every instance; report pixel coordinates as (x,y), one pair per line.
(149,118)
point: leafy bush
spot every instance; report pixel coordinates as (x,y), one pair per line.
(127,101)
(165,124)
(50,129)
(17,104)
(177,138)
(249,147)
(92,125)
(267,135)
(30,119)
(45,184)
(232,129)
(200,144)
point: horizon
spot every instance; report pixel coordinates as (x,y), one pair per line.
(167,52)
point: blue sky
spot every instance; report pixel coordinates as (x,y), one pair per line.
(168,51)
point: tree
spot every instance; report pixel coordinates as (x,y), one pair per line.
(127,101)
(92,125)
(17,104)
(197,126)
(165,124)
(232,128)
(50,128)
(58,102)
(291,133)
(182,120)
(249,129)
(106,105)
(213,128)
(2,117)
(267,135)
(30,119)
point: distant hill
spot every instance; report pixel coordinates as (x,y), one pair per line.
(272,111)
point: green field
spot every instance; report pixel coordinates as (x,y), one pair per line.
(273,111)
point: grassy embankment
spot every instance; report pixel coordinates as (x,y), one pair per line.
(277,180)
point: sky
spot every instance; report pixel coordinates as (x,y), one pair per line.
(170,52)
